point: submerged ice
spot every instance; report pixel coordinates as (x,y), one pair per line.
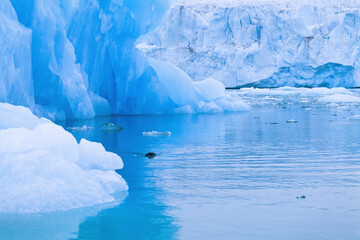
(262,44)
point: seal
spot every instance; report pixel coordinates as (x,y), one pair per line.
(150,155)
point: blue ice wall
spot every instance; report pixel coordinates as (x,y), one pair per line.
(77,59)
(103,35)
(70,59)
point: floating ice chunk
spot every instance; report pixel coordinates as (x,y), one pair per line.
(111,127)
(292,121)
(44,169)
(156,133)
(83,128)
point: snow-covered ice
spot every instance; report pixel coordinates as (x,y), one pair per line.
(43,168)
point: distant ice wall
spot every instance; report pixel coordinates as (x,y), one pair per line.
(262,44)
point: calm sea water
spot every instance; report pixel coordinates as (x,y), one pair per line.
(223,176)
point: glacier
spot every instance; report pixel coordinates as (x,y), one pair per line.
(262,43)
(77,59)
(44,169)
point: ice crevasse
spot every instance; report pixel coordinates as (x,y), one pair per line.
(78,59)
(262,43)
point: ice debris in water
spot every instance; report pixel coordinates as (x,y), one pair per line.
(83,128)
(43,168)
(111,127)
(156,133)
(292,121)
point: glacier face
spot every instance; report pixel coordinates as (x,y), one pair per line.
(261,44)
(78,58)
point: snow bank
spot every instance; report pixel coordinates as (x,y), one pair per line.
(43,168)
(262,43)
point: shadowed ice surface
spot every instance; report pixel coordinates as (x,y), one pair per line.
(232,176)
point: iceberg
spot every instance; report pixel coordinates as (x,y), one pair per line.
(44,169)
(261,43)
(79,59)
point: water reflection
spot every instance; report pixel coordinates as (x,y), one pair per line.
(56,225)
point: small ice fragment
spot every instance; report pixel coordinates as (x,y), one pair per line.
(156,133)
(83,128)
(292,121)
(111,127)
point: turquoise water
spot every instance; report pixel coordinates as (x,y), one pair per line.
(223,176)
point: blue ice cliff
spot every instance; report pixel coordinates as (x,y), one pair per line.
(78,59)
(262,44)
